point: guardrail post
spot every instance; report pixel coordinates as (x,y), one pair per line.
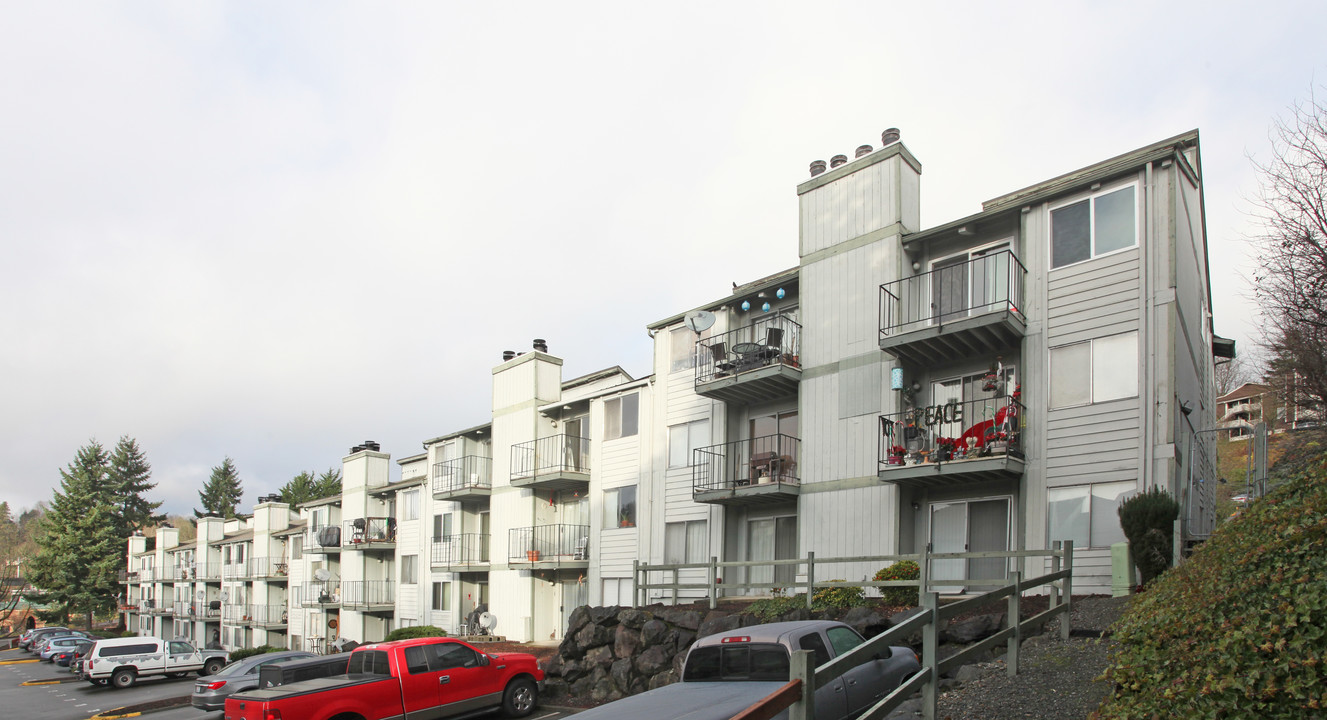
(1056,553)
(804,669)
(675,571)
(1015,622)
(930,641)
(923,571)
(714,577)
(810,577)
(1068,588)
(635,583)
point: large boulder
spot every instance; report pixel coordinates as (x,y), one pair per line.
(578,619)
(681,617)
(573,670)
(865,621)
(654,660)
(599,657)
(621,674)
(594,635)
(683,641)
(626,642)
(604,615)
(658,680)
(633,618)
(973,629)
(654,632)
(717,622)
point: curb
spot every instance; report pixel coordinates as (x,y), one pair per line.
(129,711)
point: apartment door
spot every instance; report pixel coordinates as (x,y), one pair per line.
(577,443)
(771,539)
(575,593)
(949,288)
(990,278)
(969,526)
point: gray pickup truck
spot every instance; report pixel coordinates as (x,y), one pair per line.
(728,672)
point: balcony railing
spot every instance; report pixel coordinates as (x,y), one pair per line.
(556,462)
(208,609)
(953,442)
(366,594)
(207,571)
(147,575)
(323,593)
(366,532)
(183,609)
(268,568)
(268,615)
(469,476)
(759,469)
(128,576)
(549,543)
(465,549)
(758,362)
(235,614)
(235,571)
(323,540)
(168,573)
(964,308)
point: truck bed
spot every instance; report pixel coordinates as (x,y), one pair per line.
(687,701)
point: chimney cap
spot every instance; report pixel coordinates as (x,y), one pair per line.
(838,160)
(817,167)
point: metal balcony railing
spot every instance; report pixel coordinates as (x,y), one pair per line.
(317,593)
(183,609)
(235,614)
(753,461)
(550,455)
(471,472)
(235,571)
(268,615)
(147,575)
(323,539)
(268,567)
(368,531)
(952,432)
(368,593)
(168,573)
(461,549)
(543,543)
(770,340)
(953,292)
(208,609)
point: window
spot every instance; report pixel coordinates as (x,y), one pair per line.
(441,593)
(239,554)
(1094,371)
(683,439)
(1092,227)
(815,644)
(408,576)
(442,525)
(225,555)
(755,662)
(296,551)
(410,505)
(620,507)
(682,349)
(685,542)
(1087,514)
(621,416)
(370,662)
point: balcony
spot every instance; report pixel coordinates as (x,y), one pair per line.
(269,569)
(210,610)
(168,573)
(961,310)
(369,595)
(463,479)
(557,462)
(269,617)
(467,552)
(128,576)
(207,572)
(953,444)
(235,615)
(321,594)
(755,471)
(752,364)
(183,609)
(323,540)
(549,546)
(147,575)
(235,571)
(370,533)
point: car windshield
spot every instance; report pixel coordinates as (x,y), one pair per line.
(236,668)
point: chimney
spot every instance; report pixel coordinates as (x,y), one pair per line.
(863,150)
(508,354)
(890,136)
(371,445)
(540,345)
(817,167)
(838,160)
(356,449)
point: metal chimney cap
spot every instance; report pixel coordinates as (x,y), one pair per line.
(817,167)
(889,136)
(863,150)
(838,160)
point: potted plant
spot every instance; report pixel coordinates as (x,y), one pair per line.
(532,555)
(895,456)
(944,449)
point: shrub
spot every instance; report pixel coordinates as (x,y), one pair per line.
(417,631)
(838,597)
(899,596)
(250,652)
(1238,630)
(773,608)
(1148,520)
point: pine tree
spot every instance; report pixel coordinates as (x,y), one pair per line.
(222,492)
(299,489)
(329,484)
(129,475)
(80,548)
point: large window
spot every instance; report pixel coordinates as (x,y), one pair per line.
(442,525)
(1095,226)
(410,505)
(683,439)
(1087,514)
(409,569)
(682,349)
(441,592)
(1094,371)
(620,507)
(685,542)
(621,416)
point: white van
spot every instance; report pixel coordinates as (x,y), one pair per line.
(119,662)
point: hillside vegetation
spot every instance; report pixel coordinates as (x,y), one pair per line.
(1240,629)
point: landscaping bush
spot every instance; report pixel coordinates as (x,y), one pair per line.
(250,652)
(899,596)
(1148,520)
(838,597)
(773,608)
(1238,630)
(418,631)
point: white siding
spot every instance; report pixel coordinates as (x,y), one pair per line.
(849,207)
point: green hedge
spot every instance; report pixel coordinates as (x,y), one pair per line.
(1239,630)
(899,596)
(250,652)
(417,631)
(838,597)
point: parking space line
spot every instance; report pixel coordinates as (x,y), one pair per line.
(41,682)
(19,662)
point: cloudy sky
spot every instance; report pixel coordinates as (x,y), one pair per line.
(271,231)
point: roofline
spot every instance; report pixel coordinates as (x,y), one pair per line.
(458,433)
(597,374)
(739,292)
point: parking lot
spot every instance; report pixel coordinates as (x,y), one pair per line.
(42,691)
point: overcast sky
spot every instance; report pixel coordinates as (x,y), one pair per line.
(275,230)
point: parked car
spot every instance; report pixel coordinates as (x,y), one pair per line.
(123,660)
(45,642)
(62,642)
(434,677)
(27,639)
(211,691)
(298,670)
(728,672)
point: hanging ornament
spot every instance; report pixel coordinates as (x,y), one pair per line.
(765,307)
(779,294)
(746,305)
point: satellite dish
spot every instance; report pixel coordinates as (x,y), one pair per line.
(321,575)
(225,595)
(699,320)
(488,621)
(201,595)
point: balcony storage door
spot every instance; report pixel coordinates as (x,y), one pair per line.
(949,289)
(760,547)
(574,594)
(990,279)
(988,531)
(785,548)
(949,534)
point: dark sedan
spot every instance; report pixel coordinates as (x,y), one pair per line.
(210,692)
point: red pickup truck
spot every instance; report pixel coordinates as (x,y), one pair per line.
(421,678)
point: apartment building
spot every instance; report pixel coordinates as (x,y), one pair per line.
(998,382)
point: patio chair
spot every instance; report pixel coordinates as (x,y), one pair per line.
(722,365)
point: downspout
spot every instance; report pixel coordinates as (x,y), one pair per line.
(534,494)
(1145,335)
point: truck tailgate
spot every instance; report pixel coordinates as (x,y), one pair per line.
(301,699)
(686,701)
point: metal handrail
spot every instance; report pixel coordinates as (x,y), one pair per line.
(548,455)
(952,292)
(460,549)
(364,593)
(768,458)
(471,472)
(539,543)
(952,431)
(770,340)
(368,530)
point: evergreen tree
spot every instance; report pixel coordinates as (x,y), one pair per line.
(129,475)
(329,484)
(305,487)
(222,492)
(80,548)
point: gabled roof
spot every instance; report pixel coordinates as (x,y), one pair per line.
(1246,390)
(769,282)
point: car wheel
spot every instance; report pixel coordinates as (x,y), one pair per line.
(520,698)
(124,678)
(212,666)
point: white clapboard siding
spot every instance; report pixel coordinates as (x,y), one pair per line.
(851,206)
(1093,443)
